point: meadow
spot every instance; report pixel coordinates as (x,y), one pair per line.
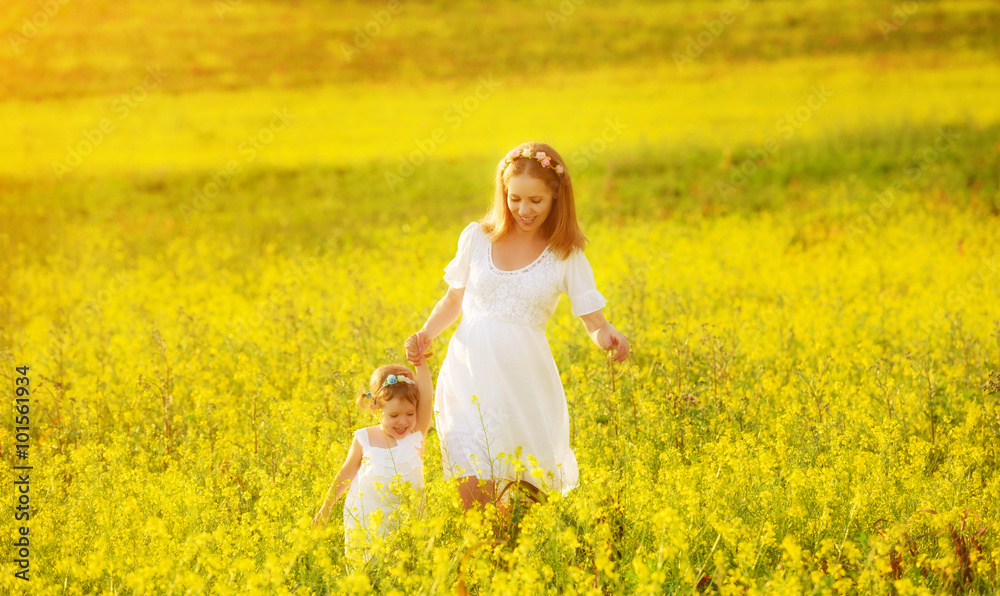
(797,230)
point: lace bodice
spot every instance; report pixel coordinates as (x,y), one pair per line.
(528,295)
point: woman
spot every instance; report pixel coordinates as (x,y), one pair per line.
(500,408)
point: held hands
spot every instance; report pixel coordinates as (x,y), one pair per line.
(417,346)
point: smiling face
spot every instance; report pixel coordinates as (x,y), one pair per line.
(399,418)
(529,201)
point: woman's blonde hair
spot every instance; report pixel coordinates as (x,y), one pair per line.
(560,227)
(379,393)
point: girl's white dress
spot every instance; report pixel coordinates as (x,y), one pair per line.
(499,401)
(379,465)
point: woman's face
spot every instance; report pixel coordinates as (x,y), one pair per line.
(529,201)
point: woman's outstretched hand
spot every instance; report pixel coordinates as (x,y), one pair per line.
(618,342)
(322,514)
(605,335)
(417,347)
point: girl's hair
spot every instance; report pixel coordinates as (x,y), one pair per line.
(561,227)
(379,395)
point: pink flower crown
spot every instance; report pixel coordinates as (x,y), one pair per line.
(543,159)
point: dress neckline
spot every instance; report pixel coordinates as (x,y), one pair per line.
(390,447)
(489,259)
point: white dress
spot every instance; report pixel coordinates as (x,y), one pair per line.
(499,401)
(381,465)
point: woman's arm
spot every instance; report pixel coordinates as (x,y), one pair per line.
(341,481)
(445,313)
(605,335)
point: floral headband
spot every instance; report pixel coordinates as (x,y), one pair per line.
(543,159)
(391,380)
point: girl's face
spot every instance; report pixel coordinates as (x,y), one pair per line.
(399,418)
(529,201)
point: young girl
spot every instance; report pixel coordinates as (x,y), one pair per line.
(394,447)
(505,280)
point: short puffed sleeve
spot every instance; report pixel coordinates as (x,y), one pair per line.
(361,436)
(457,271)
(578,283)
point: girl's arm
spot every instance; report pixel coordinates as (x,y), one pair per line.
(425,409)
(605,335)
(425,387)
(445,313)
(341,481)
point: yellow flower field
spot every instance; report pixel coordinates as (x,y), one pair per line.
(810,288)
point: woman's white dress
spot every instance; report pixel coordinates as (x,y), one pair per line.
(499,401)
(370,490)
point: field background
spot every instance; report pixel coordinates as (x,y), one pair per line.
(810,287)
